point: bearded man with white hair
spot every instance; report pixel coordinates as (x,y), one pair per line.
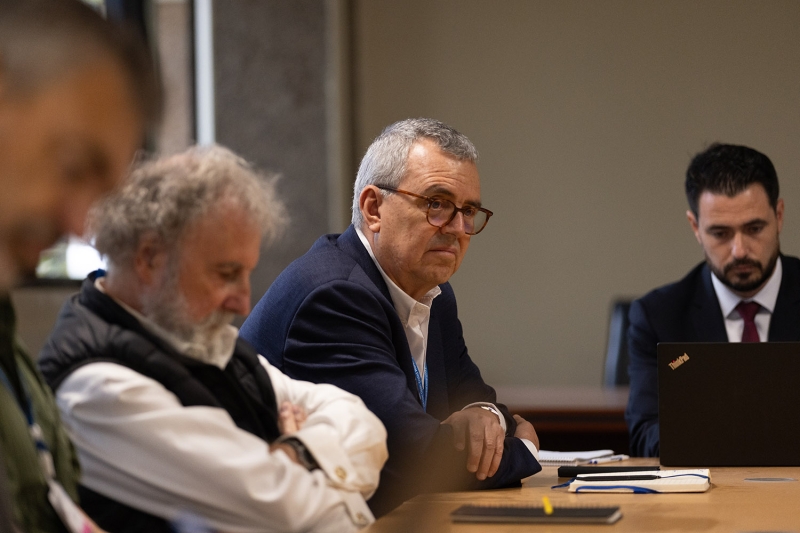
(169,411)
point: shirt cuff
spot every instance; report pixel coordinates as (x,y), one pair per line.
(490,407)
(322,444)
(531,448)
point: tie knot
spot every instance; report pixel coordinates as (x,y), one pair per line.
(748,310)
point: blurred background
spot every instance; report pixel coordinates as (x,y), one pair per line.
(585,114)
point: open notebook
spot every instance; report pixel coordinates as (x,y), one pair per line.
(698,480)
(548,458)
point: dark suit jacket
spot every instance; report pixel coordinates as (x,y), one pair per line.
(688,311)
(329,318)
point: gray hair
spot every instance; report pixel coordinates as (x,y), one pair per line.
(43,40)
(386,158)
(163,197)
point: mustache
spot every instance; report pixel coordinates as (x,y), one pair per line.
(746,261)
(216,320)
(444,240)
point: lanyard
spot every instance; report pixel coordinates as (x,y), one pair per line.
(45,459)
(69,513)
(423,389)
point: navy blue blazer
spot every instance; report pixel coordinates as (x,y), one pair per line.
(688,311)
(329,318)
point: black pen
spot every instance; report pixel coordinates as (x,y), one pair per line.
(642,477)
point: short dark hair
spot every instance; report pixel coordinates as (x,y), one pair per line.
(729,169)
(42,40)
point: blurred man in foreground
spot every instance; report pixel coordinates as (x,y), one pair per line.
(75,98)
(169,411)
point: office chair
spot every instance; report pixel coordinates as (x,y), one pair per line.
(616,366)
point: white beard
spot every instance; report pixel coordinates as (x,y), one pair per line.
(205,340)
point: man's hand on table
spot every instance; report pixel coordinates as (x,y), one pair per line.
(479,431)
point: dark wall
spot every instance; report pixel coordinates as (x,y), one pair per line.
(269,67)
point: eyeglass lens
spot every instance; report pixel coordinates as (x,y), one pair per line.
(441,212)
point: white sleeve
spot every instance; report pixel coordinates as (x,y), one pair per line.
(138,445)
(345,438)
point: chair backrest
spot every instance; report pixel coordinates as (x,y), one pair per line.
(616,368)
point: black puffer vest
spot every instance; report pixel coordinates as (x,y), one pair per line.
(92,328)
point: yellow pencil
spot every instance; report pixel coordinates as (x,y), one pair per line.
(548,508)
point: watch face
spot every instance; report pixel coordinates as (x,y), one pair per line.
(303,455)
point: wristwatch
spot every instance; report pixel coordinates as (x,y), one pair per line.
(492,410)
(303,455)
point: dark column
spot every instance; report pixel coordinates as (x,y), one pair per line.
(270,73)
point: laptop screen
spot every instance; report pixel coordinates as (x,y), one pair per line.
(729,404)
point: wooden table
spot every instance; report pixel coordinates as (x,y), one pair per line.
(569,418)
(732,504)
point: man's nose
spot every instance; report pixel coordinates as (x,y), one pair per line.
(456,226)
(239,300)
(73,207)
(739,250)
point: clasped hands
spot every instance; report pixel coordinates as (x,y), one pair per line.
(290,419)
(479,431)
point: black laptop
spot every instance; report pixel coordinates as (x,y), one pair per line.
(729,404)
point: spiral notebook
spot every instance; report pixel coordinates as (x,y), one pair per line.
(535,515)
(550,458)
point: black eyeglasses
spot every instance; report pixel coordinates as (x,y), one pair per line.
(441,212)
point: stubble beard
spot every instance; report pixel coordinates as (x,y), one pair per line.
(748,285)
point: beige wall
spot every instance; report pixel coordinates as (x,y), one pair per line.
(586,114)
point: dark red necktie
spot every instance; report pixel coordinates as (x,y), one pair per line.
(748,310)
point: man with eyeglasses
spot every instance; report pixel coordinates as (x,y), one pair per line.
(371,311)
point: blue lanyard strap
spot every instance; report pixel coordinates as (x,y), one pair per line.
(35,431)
(26,405)
(423,389)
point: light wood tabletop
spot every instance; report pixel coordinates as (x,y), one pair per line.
(740,499)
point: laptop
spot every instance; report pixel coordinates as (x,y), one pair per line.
(729,404)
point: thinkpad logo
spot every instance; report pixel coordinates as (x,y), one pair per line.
(679,361)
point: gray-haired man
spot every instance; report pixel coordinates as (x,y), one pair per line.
(168,410)
(371,311)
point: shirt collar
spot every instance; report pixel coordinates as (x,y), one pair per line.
(219,357)
(766,297)
(403,303)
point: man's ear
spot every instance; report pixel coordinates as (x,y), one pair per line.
(150,259)
(779,214)
(695,226)
(370,202)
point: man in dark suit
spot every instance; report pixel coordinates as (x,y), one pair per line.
(371,311)
(745,291)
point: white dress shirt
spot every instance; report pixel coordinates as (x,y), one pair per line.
(766,298)
(140,446)
(415,317)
